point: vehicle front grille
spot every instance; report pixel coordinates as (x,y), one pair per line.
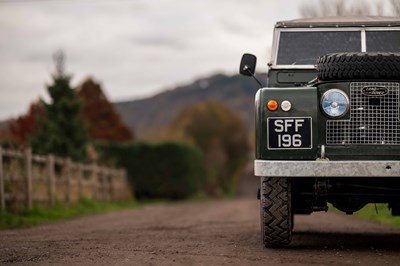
(374,120)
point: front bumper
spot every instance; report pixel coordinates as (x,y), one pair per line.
(325,168)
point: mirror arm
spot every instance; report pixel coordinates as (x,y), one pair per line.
(247,69)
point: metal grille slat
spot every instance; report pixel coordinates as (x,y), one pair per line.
(374,120)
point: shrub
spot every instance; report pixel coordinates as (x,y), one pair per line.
(167,170)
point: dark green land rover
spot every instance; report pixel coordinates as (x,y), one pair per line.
(328,121)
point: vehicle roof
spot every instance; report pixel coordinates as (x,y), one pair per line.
(362,21)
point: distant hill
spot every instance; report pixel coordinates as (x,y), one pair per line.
(147,115)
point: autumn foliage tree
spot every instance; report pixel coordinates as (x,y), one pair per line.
(100,116)
(26,125)
(220,134)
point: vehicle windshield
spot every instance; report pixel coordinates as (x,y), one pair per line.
(383,41)
(304,47)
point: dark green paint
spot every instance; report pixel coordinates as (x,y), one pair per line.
(306,103)
(290,77)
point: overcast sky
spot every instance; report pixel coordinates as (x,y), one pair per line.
(134,48)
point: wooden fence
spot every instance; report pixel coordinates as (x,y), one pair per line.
(27,179)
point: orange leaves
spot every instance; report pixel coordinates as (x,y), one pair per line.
(100,116)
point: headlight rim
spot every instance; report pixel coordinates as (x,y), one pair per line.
(347,103)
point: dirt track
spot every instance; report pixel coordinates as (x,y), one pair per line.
(212,233)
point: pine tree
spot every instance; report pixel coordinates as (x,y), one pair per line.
(61,131)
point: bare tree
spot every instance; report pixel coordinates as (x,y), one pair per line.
(395,7)
(348,8)
(360,10)
(308,11)
(379,9)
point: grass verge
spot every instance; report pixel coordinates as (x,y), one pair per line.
(39,215)
(380,214)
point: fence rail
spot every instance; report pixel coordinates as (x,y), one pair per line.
(27,179)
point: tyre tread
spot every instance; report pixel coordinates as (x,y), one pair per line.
(276,220)
(354,66)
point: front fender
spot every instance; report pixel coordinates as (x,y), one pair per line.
(305,104)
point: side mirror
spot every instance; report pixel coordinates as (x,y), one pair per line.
(248,65)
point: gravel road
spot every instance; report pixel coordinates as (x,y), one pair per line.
(210,233)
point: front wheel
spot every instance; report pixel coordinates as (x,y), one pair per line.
(276,211)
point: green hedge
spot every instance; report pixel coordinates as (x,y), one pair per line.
(167,170)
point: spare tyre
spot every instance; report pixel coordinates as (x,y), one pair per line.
(359,66)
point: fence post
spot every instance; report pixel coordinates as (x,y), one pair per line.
(51,181)
(108,180)
(80,180)
(2,196)
(95,182)
(127,191)
(68,180)
(100,184)
(28,176)
(106,185)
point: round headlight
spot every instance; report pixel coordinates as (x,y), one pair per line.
(334,103)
